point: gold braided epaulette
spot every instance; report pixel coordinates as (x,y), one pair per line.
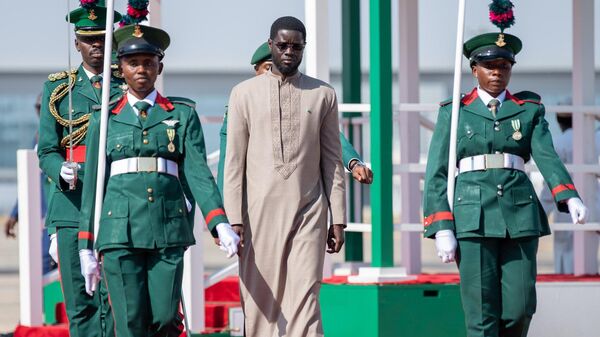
(60,75)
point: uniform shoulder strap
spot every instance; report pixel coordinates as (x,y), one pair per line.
(182,100)
(528,96)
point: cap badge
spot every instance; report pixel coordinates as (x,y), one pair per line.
(137,31)
(92,15)
(500,42)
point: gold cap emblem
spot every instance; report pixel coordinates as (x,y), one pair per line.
(500,42)
(92,15)
(137,31)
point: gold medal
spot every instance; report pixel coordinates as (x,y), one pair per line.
(171,135)
(517,135)
(516,125)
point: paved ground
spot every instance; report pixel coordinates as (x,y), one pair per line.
(9,278)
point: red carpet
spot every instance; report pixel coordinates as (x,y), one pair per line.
(455,279)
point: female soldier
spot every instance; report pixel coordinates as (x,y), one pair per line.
(497,217)
(155,148)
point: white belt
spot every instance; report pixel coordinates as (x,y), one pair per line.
(491,161)
(144,164)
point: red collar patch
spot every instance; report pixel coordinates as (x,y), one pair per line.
(469,98)
(514,99)
(160,100)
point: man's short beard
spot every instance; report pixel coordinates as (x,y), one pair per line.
(285,69)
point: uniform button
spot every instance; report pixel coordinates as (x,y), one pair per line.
(497,152)
(145,133)
(499,193)
(150,190)
(118,146)
(459,198)
(500,187)
(145,141)
(150,199)
(497,128)
(180,210)
(469,132)
(531,197)
(496,123)
(109,213)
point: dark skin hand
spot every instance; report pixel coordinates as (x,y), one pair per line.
(493,76)
(140,72)
(287,49)
(10,227)
(92,52)
(335,238)
(361,172)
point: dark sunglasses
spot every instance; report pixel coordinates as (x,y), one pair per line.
(282,46)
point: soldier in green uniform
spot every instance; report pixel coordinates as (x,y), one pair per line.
(85,313)
(154,144)
(261,60)
(497,217)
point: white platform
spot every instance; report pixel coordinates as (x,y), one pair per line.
(567,309)
(376,275)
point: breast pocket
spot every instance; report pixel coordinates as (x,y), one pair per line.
(117,145)
(470,132)
(467,208)
(168,141)
(114,223)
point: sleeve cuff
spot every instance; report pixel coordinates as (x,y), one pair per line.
(215,217)
(436,222)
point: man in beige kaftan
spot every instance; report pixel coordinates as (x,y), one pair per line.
(283,171)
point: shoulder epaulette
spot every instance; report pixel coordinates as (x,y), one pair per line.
(529,96)
(60,75)
(110,104)
(449,100)
(182,100)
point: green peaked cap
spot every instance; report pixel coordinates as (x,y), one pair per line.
(261,54)
(91,21)
(140,39)
(491,46)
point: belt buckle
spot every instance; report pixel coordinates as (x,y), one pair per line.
(495,160)
(147,164)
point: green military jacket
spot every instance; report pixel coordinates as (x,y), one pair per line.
(348,152)
(148,209)
(494,202)
(63,204)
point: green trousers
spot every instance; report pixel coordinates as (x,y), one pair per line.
(144,287)
(89,316)
(497,283)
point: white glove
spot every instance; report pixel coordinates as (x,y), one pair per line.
(229,239)
(69,173)
(578,211)
(89,270)
(445,242)
(53,250)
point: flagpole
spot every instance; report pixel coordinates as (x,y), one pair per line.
(108,42)
(455,101)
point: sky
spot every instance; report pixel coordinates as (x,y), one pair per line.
(219,36)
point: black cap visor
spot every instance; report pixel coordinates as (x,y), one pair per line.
(137,46)
(488,53)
